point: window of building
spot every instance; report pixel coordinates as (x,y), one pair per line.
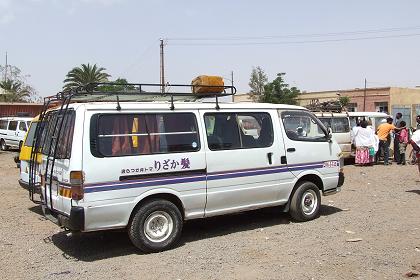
(302,126)
(352,107)
(143,134)
(227,131)
(381,107)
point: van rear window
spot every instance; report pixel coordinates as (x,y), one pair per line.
(51,130)
(144,134)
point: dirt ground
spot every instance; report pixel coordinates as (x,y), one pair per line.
(379,205)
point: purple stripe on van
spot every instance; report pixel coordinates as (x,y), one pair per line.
(159,181)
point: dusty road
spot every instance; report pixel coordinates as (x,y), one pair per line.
(380,205)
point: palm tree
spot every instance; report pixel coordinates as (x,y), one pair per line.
(14,91)
(81,76)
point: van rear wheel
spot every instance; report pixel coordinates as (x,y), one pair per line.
(156,226)
(3,145)
(305,202)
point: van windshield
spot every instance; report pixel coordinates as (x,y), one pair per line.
(30,135)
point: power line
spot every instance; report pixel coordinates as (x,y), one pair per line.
(135,62)
(347,33)
(296,42)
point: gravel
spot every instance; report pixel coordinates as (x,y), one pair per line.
(379,207)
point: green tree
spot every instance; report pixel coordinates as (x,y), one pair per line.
(14,87)
(344,100)
(14,91)
(257,82)
(118,85)
(279,92)
(85,74)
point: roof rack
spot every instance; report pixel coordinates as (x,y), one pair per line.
(124,92)
(326,106)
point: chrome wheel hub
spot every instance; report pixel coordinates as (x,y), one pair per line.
(158,226)
(309,202)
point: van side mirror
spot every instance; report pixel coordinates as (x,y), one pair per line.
(329,134)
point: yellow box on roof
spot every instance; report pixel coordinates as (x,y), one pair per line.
(207,84)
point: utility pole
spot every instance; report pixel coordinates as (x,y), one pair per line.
(162,68)
(364,98)
(5,69)
(231,82)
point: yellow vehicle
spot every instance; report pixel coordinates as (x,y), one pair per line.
(25,155)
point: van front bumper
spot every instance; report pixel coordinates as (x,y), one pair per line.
(75,221)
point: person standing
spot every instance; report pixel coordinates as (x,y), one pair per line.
(415,143)
(402,142)
(398,119)
(364,140)
(383,132)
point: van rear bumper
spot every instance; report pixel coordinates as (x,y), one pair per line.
(75,221)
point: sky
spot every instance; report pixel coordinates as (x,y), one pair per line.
(320,45)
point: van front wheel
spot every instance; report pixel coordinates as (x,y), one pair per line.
(305,202)
(156,226)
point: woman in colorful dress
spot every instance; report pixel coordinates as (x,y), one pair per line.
(364,140)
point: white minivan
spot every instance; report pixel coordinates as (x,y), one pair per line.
(149,166)
(13,131)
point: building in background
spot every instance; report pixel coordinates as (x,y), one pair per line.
(381,99)
(242,97)
(19,109)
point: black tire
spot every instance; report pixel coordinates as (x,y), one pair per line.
(158,211)
(20,145)
(3,145)
(305,203)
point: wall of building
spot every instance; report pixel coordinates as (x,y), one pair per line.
(365,101)
(242,98)
(406,101)
(13,109)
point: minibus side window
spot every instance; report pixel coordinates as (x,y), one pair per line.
(3,124)
(302,126)
(340,125)
(227,131)
(13,125)
(144,134)
(22,126)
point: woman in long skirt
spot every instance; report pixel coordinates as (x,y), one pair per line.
(365,141)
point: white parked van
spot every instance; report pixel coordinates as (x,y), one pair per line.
(375,117)
(12,131)
(149,166)
(339,124)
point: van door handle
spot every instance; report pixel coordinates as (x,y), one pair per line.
(270,158)
(291,150)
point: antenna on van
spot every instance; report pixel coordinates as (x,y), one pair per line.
(118,103)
